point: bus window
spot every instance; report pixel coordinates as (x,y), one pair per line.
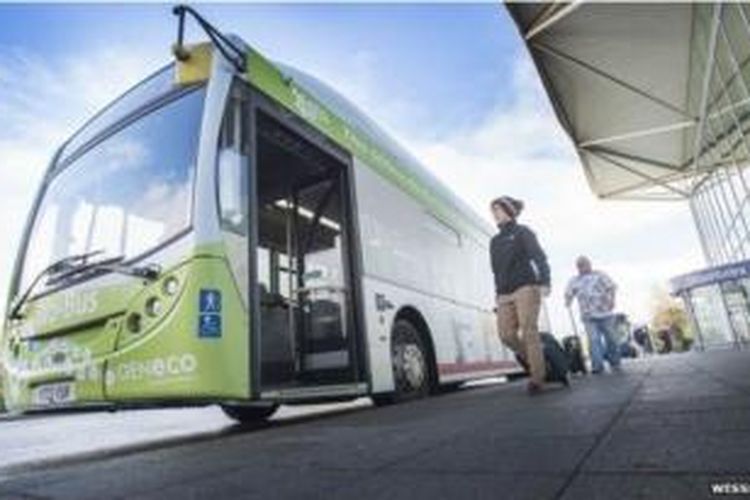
(107,230)
(264,268)
(443,230)
(232,170)
(141,172)
(232,187)
(231,200)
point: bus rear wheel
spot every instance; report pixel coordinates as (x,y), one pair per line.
(410,363)
(249,414)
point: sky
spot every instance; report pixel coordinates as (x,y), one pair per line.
(452,83)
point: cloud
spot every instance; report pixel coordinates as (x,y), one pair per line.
(42,102)
(520,149)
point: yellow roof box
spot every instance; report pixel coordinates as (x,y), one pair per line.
(193,63)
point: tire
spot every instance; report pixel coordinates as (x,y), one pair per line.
(512,377)
(249,414)
(449,388)
(410,362)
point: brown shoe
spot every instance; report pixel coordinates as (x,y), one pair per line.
(534,388)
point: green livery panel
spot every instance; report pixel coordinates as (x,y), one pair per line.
(412,179)
(139,342)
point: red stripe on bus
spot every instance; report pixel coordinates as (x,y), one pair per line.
(477,366)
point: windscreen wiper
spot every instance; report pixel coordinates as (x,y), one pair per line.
(115,265)
(59,266)
(74,265)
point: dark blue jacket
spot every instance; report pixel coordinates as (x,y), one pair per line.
(517,259)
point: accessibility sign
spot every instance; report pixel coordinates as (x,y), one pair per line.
(210,301)
(209,313)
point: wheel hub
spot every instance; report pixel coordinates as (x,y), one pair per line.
(412,366)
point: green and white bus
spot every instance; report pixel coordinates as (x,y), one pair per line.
(231,231)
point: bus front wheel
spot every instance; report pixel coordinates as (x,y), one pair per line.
(411,369)
(249,414)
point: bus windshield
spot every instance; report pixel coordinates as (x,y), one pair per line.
(127,194)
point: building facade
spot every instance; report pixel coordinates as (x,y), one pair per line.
(656,99)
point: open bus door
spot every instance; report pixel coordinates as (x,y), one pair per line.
(306,329)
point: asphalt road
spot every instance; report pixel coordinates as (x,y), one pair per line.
(667,427)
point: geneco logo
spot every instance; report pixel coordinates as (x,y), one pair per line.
(161,368)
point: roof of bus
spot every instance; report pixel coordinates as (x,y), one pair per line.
(344,123)
(325,109)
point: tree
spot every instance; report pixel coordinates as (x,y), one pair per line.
(668,315)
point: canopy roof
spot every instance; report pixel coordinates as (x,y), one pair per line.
(631,84)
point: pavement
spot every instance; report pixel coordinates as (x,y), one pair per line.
(667,427)
(35,441)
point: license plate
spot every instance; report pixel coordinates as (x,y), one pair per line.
(54,394)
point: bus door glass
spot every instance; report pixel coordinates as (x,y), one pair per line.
(303,284)
(233,186)
(320,288)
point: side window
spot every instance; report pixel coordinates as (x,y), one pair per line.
(443,230)
(232,168)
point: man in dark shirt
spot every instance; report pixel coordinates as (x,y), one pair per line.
(522,277)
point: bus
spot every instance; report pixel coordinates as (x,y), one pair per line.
(232,231)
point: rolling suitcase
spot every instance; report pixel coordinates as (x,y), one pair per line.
(555,359)
(572,346)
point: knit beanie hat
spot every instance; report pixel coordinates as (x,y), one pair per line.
(511,206)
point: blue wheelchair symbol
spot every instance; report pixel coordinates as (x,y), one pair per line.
(209,325)
(209,315)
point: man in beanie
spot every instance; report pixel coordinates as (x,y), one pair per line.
(522,277)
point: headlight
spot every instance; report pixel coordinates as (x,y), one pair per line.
(133,323)
(171,285)
(153,307)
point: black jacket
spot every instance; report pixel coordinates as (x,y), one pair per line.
(517,259)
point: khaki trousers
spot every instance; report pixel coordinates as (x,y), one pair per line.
(518,313)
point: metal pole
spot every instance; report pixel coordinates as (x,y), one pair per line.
(699,227)
(555,12)
(739,77)
(710,61)
(703,210)
(711,224)
(731,106)
(733,214)
(728,315)
(730,149)
(717,212)
(726,217)
(573,321)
